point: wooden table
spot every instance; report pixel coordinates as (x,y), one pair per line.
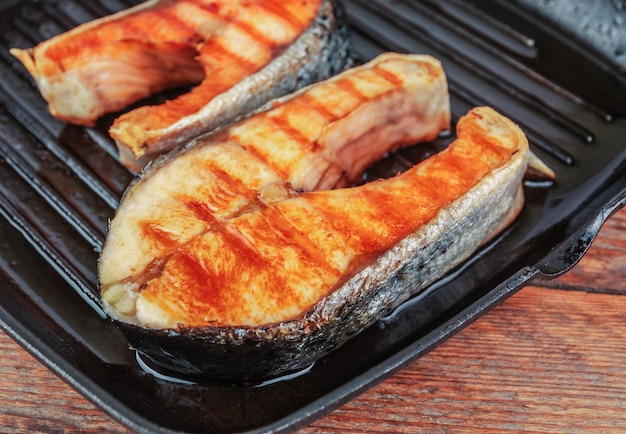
(552,358)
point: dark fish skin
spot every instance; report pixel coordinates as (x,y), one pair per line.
(253,353)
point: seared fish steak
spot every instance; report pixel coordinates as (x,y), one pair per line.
(274,290)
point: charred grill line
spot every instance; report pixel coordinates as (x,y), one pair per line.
(294,134)
(283,14)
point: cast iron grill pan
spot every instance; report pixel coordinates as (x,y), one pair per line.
(59,185)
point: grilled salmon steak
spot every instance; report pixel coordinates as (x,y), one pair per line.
(221,262)
(238,54)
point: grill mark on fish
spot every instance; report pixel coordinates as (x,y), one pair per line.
(295,237)
(155,233)
(170,12)
(494,152)
(226,189)
(262,156)
(294,134)
(202,211)
(299,118)
(347,86)
(281,149)
(284,14)
(362,243)
(317,106)
(388,75)
(317,265)
(170,19)
(223,53)
(198,278)
(211,7)
(258,36)
(244,241)
(214,291)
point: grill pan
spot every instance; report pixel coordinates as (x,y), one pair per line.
(59,185)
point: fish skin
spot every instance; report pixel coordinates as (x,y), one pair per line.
(233,171)
(470,208)
(321,49)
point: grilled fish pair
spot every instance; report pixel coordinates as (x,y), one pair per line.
(246,253)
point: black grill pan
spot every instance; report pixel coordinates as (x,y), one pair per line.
(59,185)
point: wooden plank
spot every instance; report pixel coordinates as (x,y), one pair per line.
(34,400)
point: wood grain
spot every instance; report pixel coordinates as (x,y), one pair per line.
(550,359)
(33,400)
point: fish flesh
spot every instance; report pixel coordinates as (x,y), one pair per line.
(320,137)
(237,55)
(255,277)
